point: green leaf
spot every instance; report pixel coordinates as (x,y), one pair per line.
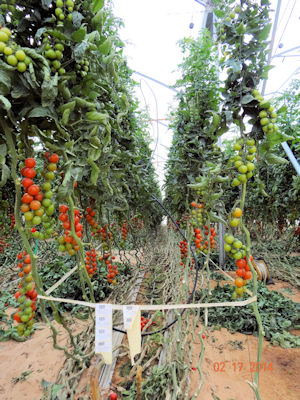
(219,13)
(4,103)
(39,33)
(247,99)
(80,49)
(77,18)
(106,46)
(49,91)
(5,82)
(79,35)
(40,112)
(273,159)
(264,33)
(5,175)
(97,5)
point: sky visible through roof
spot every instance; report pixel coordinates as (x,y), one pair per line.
(151,34)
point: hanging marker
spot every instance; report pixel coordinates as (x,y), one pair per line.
(103,333)
(132,323)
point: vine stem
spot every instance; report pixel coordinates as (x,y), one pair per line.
(261,334)
(33,257)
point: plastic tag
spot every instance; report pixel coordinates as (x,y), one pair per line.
(103,333)
(132,323)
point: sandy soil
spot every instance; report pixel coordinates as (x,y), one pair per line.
(227,364)
(40,360)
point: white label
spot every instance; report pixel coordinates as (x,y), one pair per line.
(129,312)
(103,328)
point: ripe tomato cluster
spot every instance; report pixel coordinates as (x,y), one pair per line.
(37,205)
(26,296)
(90,262)
(243,160)
(244,274)
(90,214)
(183,249)
(13,220)
(67,242)
(3,244)
(144,322)
(124,233)
(112,269)
(202,245)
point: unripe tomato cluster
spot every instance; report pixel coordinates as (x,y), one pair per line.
(52,49)
(233,246)
(197,213)
(31,200)
(26,296)
(267,115)
(14,55)
(64,8)
(67,242)
(244,274)
(112,269)
(82,68)
(243,160)
(90,262)
(200,246)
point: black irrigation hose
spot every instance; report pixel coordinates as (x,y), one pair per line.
(195,283)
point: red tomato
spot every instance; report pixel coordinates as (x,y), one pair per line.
(33,190)
(63,208)
(54,158)
(27,198)
(30,162)
(26,182)
(29,173)
(241,263)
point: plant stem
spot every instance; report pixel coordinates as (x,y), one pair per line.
(261,333)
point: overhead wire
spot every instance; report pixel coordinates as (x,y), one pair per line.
(288,20)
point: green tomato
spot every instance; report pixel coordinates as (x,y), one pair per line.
(49,194)
(262,114)
(27,61)
(46,202)
(242,178)
(58,11)
(237,146)
(237,244)
(21,67)
(229,239)
(242,169)
(7,50)
(238,163)
(250,166)
(50,210)
(3,36)
(237,255)
(252,150)
(20,54)
(249,175)
(12,60)
(250,157)
(36,220)
(24,318)
(234,222)
(51,54)
(235,182)
(28,216)
(49,176)
(227,247)
(59,3)
(61,248)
